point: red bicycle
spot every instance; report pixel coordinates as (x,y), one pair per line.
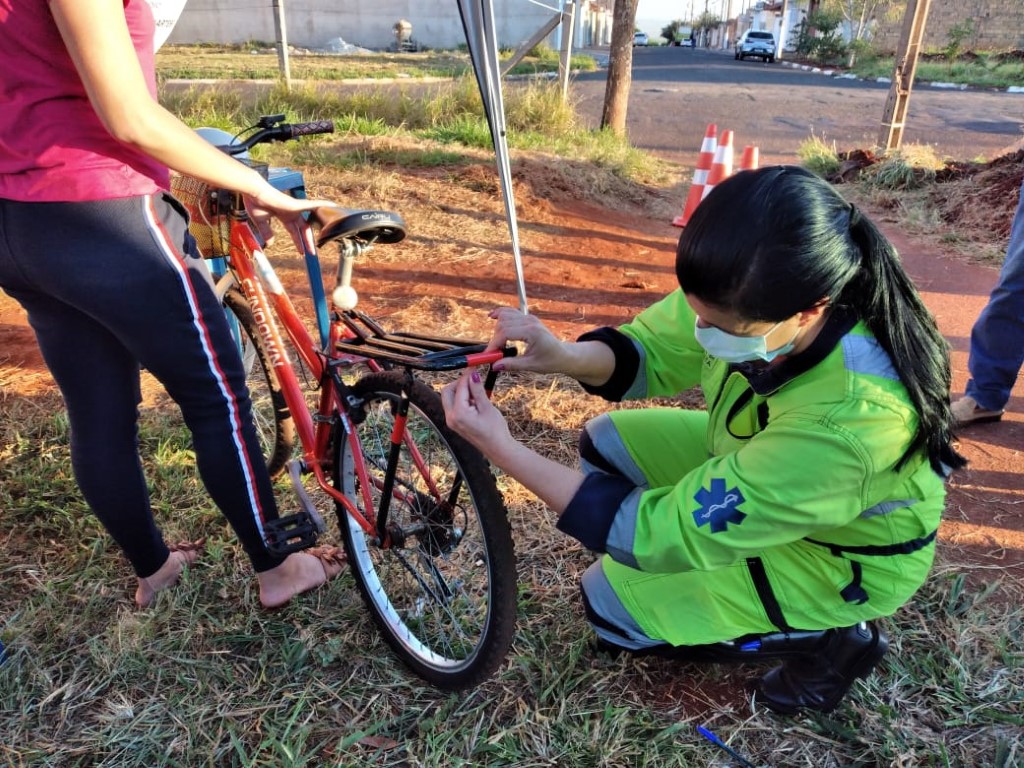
(421,519)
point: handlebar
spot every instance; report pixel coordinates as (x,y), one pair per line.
(272,128)
(308,129)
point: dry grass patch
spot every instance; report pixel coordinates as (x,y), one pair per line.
(206,678)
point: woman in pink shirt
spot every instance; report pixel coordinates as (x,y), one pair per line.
(98,253)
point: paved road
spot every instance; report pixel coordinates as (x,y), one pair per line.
(676,92)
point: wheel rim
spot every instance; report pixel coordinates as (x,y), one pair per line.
(436,604)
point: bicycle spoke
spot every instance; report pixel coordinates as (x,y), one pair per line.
(433,572)
(434,590)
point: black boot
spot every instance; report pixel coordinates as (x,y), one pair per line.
(820,678)
(774,645)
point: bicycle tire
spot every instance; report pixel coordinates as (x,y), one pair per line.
(415,604)
(273,419)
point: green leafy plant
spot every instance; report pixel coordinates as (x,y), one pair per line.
(858,50)
(820,38)
(819,156)
(955,37)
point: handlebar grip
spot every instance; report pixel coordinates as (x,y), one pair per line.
(308,129)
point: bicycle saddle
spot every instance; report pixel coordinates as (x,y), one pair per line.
(341,223)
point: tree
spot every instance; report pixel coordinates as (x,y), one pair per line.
(671,32)
(955,40)
(820,37)
(620,66)
(861,15)
(703,25)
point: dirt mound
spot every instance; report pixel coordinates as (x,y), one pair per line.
(968,196)
(983,197)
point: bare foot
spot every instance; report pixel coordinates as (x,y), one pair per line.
(182,555)
(300,572)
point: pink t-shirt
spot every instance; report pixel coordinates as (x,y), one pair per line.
(53,146)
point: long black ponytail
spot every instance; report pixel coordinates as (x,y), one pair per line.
(773,242)
(886,300)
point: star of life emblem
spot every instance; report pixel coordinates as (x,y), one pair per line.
(718,507)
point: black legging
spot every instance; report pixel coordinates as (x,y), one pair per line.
(112,285)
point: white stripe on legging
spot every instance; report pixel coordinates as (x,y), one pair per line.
(163,239)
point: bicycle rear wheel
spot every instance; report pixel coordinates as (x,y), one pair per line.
(444,594)
(270,411)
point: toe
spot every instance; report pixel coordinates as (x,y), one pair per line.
(170,572)
(189,551)
(332,560)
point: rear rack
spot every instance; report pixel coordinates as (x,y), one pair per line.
(413,350)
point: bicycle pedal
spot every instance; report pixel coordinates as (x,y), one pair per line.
(293,533)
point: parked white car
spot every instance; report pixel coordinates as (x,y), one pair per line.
(757,43)
(640,38)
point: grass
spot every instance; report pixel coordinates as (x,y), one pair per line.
(911,167)
(205,678)
(819,156)
(260,61)
(448,114)
(980,70)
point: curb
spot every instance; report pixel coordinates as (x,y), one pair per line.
(920,83)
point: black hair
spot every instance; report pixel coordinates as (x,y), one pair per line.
(770,243)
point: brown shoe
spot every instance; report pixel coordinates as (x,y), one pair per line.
(967,411)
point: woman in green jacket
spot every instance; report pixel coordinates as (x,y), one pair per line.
(804,502)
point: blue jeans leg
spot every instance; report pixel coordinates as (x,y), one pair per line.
(997,339)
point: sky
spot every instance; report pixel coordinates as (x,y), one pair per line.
(665,9)
(653,15)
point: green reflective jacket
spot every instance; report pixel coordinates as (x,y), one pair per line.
(808,447)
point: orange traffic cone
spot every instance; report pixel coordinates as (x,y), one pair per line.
(700,176)
(750,159)
(721,168)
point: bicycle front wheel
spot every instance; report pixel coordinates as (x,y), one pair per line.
(444,592)
(274,423)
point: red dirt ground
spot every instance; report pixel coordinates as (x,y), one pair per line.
(588,266)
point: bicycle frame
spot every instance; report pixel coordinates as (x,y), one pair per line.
(439,576)
(249,268)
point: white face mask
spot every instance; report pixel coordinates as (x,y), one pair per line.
(740,349)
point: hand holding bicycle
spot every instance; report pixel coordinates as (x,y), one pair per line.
(470,413)
(544,353)
(269,203)
(262,200)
